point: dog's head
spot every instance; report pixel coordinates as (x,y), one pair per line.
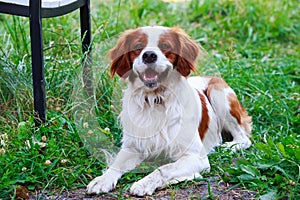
(149,53)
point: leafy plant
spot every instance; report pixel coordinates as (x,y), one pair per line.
(275,171)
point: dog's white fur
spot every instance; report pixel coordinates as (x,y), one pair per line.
(165,120)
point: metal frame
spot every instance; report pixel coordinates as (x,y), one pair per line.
(35,13)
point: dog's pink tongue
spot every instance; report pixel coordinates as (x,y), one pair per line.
(150,75)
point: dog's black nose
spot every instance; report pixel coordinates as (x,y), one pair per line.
(149,57)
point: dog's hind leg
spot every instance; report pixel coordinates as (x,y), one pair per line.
(238,124)
(234,121)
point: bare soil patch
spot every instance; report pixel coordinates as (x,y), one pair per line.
(204,189)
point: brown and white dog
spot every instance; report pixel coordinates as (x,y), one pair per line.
(164,112)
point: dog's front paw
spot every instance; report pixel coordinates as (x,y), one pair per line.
(101,184)
(147,185)
(141,188)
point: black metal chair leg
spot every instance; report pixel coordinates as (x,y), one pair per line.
(86,47)
(37,61)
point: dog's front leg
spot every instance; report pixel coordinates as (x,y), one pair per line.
(186,168)
(126,160)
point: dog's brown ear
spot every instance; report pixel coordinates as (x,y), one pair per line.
(120,65)
(187,54)
(120,56)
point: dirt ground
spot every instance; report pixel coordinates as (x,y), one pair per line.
(195,191)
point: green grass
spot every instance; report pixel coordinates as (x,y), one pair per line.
(253,45)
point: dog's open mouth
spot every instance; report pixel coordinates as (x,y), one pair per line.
(150,78)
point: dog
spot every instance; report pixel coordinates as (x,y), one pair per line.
(164,111)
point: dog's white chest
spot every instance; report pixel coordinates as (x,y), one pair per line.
(150,122)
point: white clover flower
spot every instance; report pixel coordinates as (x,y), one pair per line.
(3,139)
(44,138)
(90,132)
(2,151)
(85,125)
(63,161)
(48,162)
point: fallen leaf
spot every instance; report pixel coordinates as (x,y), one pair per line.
(22,192)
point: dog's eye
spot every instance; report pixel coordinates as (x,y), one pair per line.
(138,46)
(164,46)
